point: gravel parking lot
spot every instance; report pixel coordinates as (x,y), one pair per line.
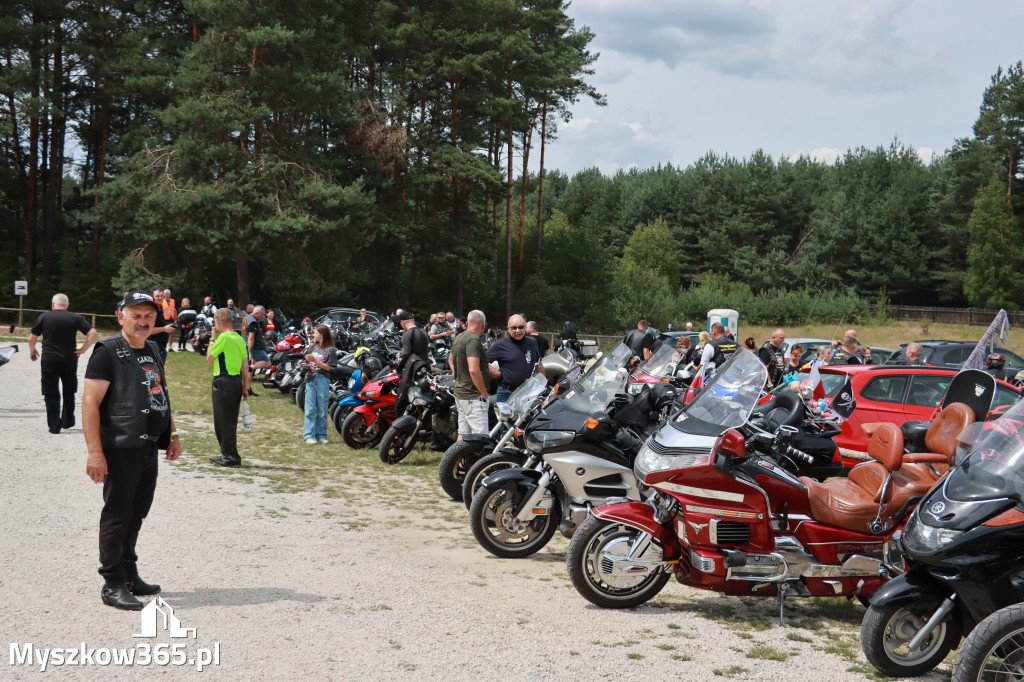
(291,586)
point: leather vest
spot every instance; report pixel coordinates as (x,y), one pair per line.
(724,348)
(635,340)
(124,413)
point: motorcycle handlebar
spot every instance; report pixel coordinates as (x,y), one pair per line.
(798,454)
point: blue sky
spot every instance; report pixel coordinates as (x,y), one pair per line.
(684,77)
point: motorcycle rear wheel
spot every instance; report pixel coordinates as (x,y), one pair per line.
(396,444)
(484,467)
(356,433)
(590,567)
(339,416)
(495,527)
(995,648)
(300,395)
(888,628)
(456,463)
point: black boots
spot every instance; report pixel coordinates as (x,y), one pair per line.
(119,597)
(139,587)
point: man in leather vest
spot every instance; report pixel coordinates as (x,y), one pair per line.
(771,354)
(126,416)
(639,341)
(721,347)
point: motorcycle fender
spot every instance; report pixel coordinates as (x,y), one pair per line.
(368,413)
(406,421)
(521,481)
(479,438)
(914,585)
(639,515)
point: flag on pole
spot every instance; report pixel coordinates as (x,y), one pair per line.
(814,381)
(845,402)
(1000,327)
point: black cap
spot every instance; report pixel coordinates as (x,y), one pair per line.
(406,316)
(138,297)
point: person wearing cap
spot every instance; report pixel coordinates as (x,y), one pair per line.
(230,386)
(126,417)
(414,339)
(59,365)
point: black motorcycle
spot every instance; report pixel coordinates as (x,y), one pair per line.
(430,414)
(964,545)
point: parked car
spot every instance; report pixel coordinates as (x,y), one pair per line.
(344,316)
(954,354)
(671,338)
(810,347)
(892,393)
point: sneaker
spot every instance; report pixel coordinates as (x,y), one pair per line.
(310,441)
(322,441)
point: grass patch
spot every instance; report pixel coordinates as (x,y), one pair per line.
(682,657)
(731,671)
(767,653)
(796,637)
(634,657)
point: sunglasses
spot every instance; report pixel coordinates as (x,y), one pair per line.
(517,328)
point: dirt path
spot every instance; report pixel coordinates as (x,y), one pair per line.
(290,588)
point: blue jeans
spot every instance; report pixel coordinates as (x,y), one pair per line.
(317,392)
(503,394)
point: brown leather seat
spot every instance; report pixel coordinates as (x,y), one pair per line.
(853,502)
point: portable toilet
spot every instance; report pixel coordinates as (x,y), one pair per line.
(730,319)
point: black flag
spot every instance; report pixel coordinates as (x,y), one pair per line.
(844,403)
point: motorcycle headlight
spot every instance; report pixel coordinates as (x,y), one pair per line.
(542,440)
(648,461)
(920,538)
(504,410)
(636,388)
(419,402)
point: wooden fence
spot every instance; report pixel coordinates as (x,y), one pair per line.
(972,316)
(92,317)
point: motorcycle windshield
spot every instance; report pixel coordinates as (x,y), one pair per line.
(595,390)
(728,399)
(658,364)
(994,466)
(527,392)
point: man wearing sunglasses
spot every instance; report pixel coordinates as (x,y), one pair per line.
(516,355)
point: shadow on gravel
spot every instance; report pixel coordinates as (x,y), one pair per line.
(19,412)
(236,596)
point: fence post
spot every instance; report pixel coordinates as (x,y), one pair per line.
(970,316)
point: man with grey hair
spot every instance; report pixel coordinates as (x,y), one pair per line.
(542,342)
(59,366)
(466,360)
(255,342)
(913,353)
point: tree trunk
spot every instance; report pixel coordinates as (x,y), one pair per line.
(242,279)
(33,163)
(540,186)
(101,161)
(55,166)
(527,141)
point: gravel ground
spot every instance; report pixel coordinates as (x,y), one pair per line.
(289,589)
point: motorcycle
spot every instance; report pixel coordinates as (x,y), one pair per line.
(511,416)
(365,424)
(728,514)
(965,548)
(582,457)
(995,648)
(202,329)
(430,413)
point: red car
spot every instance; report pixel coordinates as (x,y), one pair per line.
(892,393)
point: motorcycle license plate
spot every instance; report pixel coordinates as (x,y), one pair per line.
(287,366)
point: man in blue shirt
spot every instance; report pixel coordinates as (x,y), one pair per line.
(516,355)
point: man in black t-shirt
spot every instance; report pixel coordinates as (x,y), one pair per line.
(255,329)
(126,417)
(59,366)
(542,341)
(414,339)
(639,341)
(516,355)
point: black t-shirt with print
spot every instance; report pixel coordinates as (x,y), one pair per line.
(101,366)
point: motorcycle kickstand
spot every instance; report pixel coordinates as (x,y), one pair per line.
(783,588)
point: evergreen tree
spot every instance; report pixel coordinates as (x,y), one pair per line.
(995,258)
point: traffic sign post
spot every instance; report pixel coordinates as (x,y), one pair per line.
(21,291)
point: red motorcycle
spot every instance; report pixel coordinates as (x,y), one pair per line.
(727,514)
(365,424)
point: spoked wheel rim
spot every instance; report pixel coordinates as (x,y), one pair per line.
(616,541)
(363,434)
(1004,661)
(901,628)
(504,529)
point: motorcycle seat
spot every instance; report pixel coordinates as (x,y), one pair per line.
(853,502)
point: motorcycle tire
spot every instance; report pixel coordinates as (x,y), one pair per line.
(888,628)
(300,396)
(995,648)
(339,416)
(396,444)
(456,462)
(492,519)
(590,544)
(484,467)
(357,434)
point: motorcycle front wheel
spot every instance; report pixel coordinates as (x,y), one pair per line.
(357,434)
(339,416)
(484,467)
(455,463)
(396,444)
(592,567)
(887,630)
(300,396)
(995,648)
(496,528)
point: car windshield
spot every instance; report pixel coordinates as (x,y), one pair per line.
(994,466)
(595,390)
(657,364)
(527,391)
(732,394)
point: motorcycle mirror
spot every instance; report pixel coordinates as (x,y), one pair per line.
(562,386)
(732,443)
